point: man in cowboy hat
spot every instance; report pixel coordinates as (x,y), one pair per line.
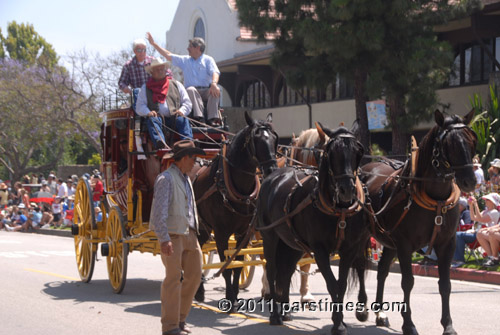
(174,220)
(164,99)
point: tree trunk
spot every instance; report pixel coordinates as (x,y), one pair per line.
(360,98)
(396,113)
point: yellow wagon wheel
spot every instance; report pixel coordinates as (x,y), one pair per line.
(117,255)
(84,223)
(247,272)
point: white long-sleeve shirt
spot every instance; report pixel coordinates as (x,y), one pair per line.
(142,102)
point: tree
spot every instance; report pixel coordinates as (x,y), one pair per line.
(24,43)
(386,47)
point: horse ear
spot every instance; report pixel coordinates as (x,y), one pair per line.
(324,130)
(355,127)
(321,133)
(269,118)
(249,120)
(439,117)
(468,118)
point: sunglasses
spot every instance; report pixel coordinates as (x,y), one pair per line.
(140,50)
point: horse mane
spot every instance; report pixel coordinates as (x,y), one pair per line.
(427,143)
(308,138)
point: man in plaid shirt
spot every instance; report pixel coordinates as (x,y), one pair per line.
(133,74)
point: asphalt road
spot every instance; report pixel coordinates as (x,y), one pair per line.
(41,294)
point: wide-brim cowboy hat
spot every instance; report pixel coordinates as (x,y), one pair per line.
(156,62)
(3,186)
(183,148)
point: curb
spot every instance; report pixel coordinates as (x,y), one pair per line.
(478,276)
(55,232)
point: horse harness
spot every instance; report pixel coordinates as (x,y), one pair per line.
(317,199)
(416,192)
(224,185)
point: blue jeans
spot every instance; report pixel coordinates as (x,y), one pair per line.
(135,94)
(462,239)
(155,128)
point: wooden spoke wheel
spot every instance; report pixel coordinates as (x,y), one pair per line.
(84,220)
(247,272)
(116,259)
(208,258)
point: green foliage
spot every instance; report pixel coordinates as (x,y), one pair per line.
(486,124)
(377,150)
(95,160)
(24,43)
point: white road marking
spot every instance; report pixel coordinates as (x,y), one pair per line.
(46,253)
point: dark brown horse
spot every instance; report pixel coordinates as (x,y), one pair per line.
(226,191)
(318,214)
(418,208)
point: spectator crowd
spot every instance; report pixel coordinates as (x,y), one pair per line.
(36,202)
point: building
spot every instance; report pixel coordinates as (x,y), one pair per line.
(251,84)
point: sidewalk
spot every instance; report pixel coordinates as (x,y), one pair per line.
(479,276)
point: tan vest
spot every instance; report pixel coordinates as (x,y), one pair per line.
(178,211)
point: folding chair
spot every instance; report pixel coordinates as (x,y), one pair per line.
(474,250)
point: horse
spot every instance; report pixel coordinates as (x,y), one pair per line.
(326,217)
(227,189)
(305,150)
(416,206)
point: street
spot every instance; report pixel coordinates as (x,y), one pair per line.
(41,294)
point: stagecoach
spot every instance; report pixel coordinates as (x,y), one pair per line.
(129,168)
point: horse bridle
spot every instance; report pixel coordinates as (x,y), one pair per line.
(250,145)
(333,176)
(439,158)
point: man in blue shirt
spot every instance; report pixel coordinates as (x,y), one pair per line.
(201,76)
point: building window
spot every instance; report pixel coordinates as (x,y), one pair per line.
(472,64)
(199,29)
(256,96)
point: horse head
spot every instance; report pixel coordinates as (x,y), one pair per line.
(449,148)
(339,164)
(261,143)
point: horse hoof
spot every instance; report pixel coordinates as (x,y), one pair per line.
(382,322)
(341,330)
(362,316)
(287,317)
(307,298)
(449,331)
(199,296)
(275,320)
(410,330)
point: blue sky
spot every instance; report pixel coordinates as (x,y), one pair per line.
(103,26)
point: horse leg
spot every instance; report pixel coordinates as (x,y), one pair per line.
(222,243)
(265,286)
(359,266)
(384,264)
(237,271)
(407,281)
(445,255)
(286,261)
(270,240)
(305,296)
(322,257)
